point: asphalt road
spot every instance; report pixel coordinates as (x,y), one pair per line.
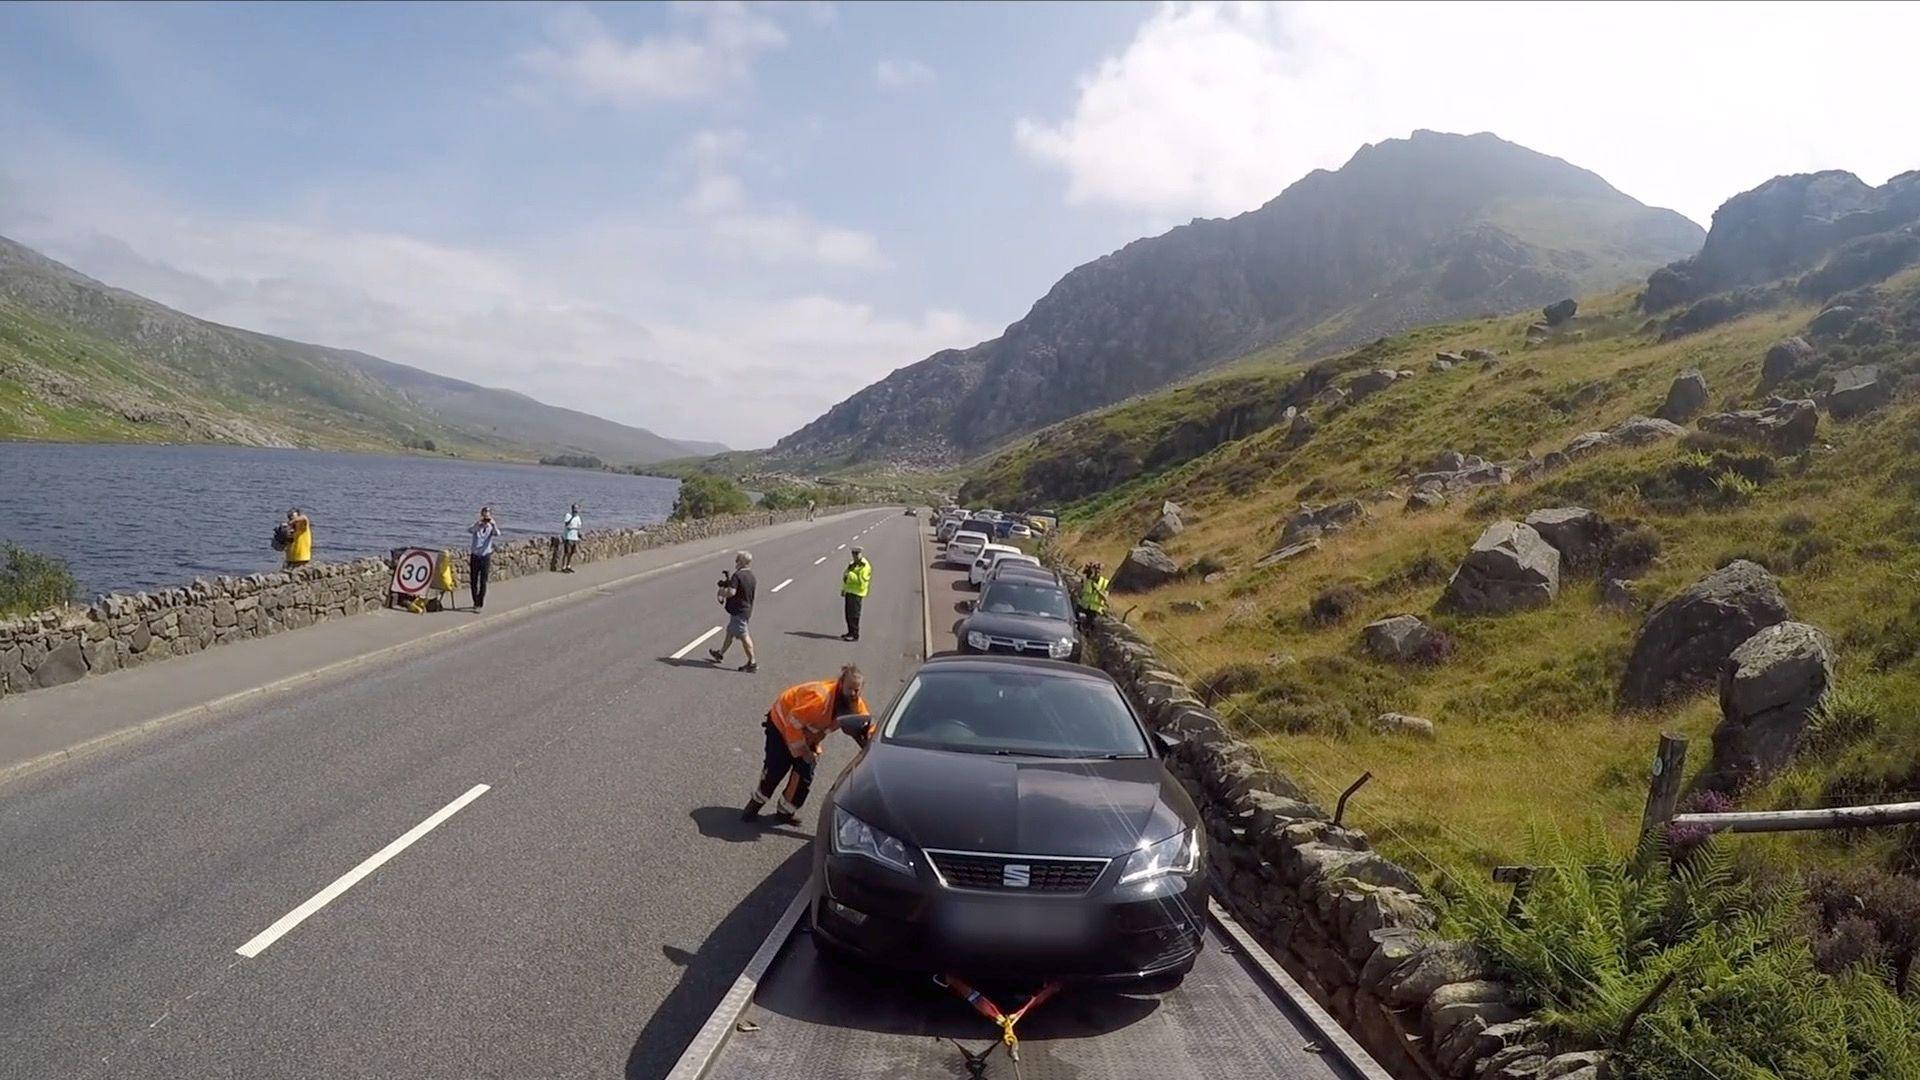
(579,916)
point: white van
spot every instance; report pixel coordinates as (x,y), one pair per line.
(983,562)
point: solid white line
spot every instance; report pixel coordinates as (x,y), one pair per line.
(782,585)
(694,644)
(819,560)
(347,880)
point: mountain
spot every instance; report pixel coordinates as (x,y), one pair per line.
(82,360)
(1410,231)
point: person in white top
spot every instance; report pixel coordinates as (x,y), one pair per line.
(569,538)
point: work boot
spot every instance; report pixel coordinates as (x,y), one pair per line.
(786,819)
(752,810)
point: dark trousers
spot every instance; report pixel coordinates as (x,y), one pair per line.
(853,613)
(780,764)
(477,568)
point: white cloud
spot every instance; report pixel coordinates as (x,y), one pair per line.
(719,200)
(710,56)
(901,74)
(1214,108)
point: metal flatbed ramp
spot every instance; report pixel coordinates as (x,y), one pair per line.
(1235,1016)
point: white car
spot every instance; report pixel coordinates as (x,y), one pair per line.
(983,562)
(963,547)
(1004,561)
(1017,529)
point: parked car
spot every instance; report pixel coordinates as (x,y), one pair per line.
(983,562)
(1021,616)
(1017,531)
(913,512)
(946,530)
(963,547)
(1005,562)
(1013,818)
(1027,568)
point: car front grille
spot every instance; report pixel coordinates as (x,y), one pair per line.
(1004,873)
(1017,646)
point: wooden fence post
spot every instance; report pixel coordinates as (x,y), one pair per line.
(1663,791)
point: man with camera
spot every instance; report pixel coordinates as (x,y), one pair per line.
(736,595)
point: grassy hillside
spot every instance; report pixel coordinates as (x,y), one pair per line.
(1528,736)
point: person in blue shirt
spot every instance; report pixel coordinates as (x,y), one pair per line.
(480,555)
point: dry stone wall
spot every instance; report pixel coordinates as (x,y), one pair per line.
(1352,926)
(126,630)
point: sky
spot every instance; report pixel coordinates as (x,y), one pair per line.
(717,220)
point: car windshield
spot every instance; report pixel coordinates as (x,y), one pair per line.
(1010,596)
(1015,713)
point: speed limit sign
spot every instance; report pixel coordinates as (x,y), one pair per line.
(413,571)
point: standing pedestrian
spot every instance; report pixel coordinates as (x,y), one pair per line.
(480,555)
(801,719)
(736,593)
(853,589)
(569,538)
(809,509)
(299,532)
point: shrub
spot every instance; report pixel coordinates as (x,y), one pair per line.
(1206,564)
(1732,489)
(1864,913)
(1334,605)
(1797,524)
(1634,549)
(1844,716)
(1233,678)
(1425,568)
(30,581)
(705,495)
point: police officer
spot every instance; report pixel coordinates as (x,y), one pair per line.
(854,584)
(1092,601)
(801,719)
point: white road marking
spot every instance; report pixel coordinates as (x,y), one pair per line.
(346,881)
(782,585)
(843,547)
(694,644)
(819,560)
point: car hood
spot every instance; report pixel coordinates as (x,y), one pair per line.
(1030,627)
(1025,806)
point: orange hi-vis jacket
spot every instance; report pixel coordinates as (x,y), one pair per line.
(805,714)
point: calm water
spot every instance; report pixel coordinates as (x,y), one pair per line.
(136,517)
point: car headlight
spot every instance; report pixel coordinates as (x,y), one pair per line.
(977,640)
(851,836)
(1177,854)
(1061,649)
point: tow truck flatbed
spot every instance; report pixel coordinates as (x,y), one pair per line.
(794,1013)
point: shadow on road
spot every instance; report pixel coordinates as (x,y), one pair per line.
(814,634)
(709,971)
(723,823)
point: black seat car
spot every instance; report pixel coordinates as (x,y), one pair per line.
(1011,819)
(1021,616)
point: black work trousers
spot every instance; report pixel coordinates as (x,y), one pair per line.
(854,604)
(477,569)
(781,764)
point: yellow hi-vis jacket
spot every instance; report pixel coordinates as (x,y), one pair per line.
(805,716)
(858,577)
(1093,595)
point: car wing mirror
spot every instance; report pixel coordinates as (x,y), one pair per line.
(968,605)
(1168,743)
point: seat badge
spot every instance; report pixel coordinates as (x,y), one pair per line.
(1016,875)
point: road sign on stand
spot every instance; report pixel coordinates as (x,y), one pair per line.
(413,571)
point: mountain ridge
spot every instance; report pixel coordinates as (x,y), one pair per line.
(1408,232)
(82,359)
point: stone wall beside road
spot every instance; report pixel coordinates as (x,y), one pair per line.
(126,630)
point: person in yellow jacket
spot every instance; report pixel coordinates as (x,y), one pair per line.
(854,584)
(801,719)
(1092,600)
(300,547)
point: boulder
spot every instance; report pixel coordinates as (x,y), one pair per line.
(1165,529)
(1187,607)
(1371,382)
(1685,398)
(1587,442)
(1439,964)
(1449,358)
(1560,311)
(1642,430)
(1331,398)
(1617,594)
(1425,499)
(1538,333)
(1312,521)
(1578,534)
(1481,475)
(1400,638)
(1145,567)
(1448,461)
(1687,638)
(1858,390)
(1509,568)
(1482,356)
(1785,427)
(1303,428)
(1792,358)
(1394,723)
(1768,690)
(64,664)
(1832,322)
(1289,552)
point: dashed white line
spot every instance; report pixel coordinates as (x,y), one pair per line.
(842,547)
(819,560)
(259,942)
(782,585)
(694,644)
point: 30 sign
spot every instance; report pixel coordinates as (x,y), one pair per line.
(413,571)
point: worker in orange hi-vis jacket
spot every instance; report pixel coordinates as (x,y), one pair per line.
(801,719)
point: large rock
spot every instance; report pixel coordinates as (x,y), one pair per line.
(1768,690)
(1166,528)
(1785,427)
(1832,322)
(1858,390)
(1394,723)
(1789,359)
(1312,521)
(1288,553)
(1560,311)
(1145,567)
(1509,568)
(1303,429)
(1577,533)
(1400,638)
(1685,398)
(1425,499)
(1371,382)
(1642,430)
(1686,639)
(63,665)
(1482,474)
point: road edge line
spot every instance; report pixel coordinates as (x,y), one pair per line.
(706,1043)
(926,597)
(10,773)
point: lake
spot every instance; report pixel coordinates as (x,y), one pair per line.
(138,517)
